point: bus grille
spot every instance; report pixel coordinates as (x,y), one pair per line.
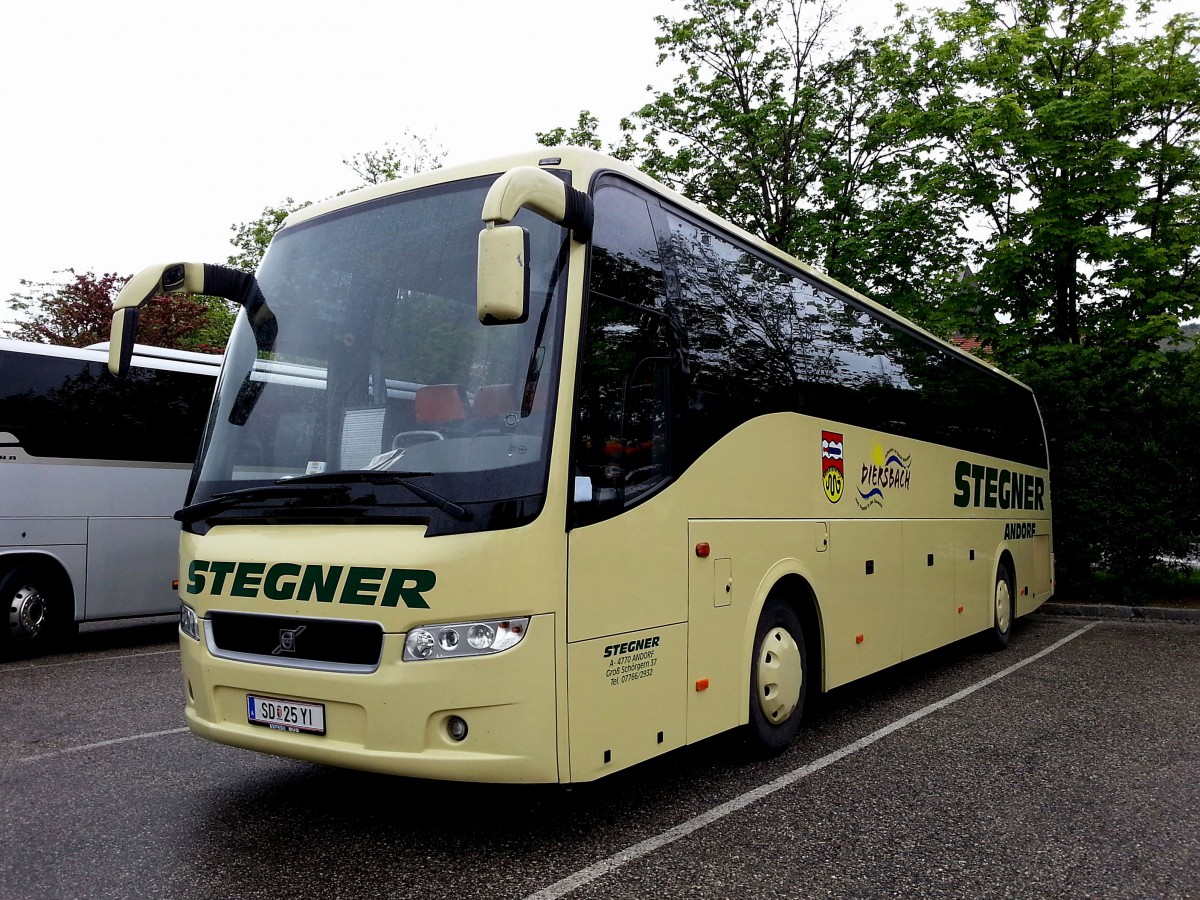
(287,641)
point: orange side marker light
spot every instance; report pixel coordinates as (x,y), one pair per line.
(702,684)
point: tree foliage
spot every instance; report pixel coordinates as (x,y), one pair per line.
(1075,141)
(250,239)
(412,154)
(1122,443)
(581,134)
(1074,144)
(809,149)
(77,312)
(1023,171)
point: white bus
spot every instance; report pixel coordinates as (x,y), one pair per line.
(607,477)
(92,468)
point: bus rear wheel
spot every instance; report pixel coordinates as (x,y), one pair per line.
(778,679)
(33,618)
(1002,609)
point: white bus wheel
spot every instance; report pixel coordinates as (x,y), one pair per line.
(1002,609)
(778,678)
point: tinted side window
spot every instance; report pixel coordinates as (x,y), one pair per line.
(743,338)
(622,427)
(849,360)
(762,339)
(953,402)
(74,409)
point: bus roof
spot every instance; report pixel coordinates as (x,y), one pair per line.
(585,165)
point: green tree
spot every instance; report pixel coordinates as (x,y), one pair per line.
(411,155)
(1074,141)
(581,134)
(1072,137)
(1050,150)
(250,239)
(812,150)
(1122,442)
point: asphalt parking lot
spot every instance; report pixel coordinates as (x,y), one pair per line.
(1066,766)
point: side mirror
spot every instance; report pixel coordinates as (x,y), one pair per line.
(186,278)
(502,280)
(148,283)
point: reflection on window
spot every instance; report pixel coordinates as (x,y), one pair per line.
(622,432)
(379,361)
(761,339)
(74,409)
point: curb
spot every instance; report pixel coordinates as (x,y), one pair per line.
(1125,613)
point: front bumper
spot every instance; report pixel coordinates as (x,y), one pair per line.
(393,720)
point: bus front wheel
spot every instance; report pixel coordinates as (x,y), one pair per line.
(778,679)
(1002,609)
(32,618)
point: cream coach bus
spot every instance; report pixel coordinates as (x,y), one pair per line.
(539,501)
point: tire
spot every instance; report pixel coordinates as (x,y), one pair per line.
(778,679)
(35,615)
(1002,609)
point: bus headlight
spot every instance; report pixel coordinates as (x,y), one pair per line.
(464,639)
(189,622)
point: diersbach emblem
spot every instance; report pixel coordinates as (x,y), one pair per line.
(287,640)
(833,468)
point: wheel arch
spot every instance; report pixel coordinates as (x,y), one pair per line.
(788,583)
(55,568)
(1005,558)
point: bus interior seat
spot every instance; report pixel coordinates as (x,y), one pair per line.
(439,411)
(439,404)
(493,400)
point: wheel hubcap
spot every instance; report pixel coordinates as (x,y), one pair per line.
(1003,605)
(780,675)
(27,613)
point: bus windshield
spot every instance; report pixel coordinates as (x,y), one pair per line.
(376,375)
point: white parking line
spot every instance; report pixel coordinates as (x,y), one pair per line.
(629,854)
(55,664)
(98,744)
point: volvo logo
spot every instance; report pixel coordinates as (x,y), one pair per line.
(287,640)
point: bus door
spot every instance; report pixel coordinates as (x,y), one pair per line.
(627,584)
(627,591)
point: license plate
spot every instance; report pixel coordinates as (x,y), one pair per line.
(286,715)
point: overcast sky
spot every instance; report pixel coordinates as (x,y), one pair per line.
(137,132)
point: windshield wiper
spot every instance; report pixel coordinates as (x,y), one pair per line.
(433,498)
(229,499)
(317,483)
